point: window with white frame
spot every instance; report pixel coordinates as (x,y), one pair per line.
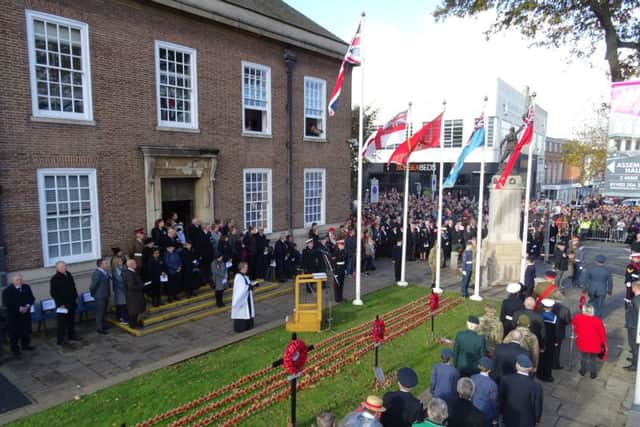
(314,108)
(176,86)
(314,196)
(257,198)
(452,134)
(69,215)
(59,67)
(256,98)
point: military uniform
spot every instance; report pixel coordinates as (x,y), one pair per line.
(529,342)
(548,346)
(340,257)
(492,331)
(136,247)
(509,306)
(631,274)
(598,281)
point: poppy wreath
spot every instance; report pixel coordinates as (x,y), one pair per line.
(295,356)
(378,331)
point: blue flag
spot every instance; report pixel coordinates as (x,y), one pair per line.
(476,140)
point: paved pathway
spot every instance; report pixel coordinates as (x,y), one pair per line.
(51,375)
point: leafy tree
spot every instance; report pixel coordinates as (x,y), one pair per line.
(370,116)
(580,24)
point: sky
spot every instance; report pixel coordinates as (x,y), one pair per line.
(411,58)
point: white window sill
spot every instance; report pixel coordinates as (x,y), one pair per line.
(63,121)
(177,129)
(257,135)
(312,139)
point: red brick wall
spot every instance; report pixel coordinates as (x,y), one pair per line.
(121,38)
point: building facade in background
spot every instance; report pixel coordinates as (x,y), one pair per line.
(116,113)
(561,181)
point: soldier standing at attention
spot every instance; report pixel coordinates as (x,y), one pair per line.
(340,260)
(491,328)
(548,347)
(467,269)
(509,306)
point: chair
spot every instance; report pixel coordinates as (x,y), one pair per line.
(81,308)
(47,311)
(88,302)
(36,315)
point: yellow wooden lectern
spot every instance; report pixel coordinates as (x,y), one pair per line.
(307,317)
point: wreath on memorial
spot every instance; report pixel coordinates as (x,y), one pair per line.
(295,356)
(378,331)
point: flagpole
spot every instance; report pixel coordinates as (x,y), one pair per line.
(405,216)
(358,300)
(438,289)
(527,197)
(476,288)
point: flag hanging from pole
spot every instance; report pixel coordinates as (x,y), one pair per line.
(525,139)
(427,137)
(391,134)
(351,57)
(475,140)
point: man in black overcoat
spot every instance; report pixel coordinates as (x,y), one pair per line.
(520,396)
(18,299)
(63,291)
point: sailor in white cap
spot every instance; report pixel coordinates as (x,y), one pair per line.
(509,306)
(547,347)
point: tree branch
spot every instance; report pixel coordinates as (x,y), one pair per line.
(622,44)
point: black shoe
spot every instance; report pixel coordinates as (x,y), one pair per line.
(29,348)
(17,355)
(581,372)
(593,375)
(558,367)
(547,380)
(74,338)
(103,332)
(630,368)
(61,343)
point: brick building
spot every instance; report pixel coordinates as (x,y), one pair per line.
(561,181)
(114,113)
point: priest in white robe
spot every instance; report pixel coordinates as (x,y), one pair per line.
(242,308)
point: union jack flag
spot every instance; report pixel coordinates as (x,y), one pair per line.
(353,57)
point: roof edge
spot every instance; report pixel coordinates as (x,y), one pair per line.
(253,22)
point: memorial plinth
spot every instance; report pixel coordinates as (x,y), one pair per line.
(501,249)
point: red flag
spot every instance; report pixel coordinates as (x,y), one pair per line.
(427,137)
(525,138)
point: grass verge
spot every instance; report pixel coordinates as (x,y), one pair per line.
(145,396)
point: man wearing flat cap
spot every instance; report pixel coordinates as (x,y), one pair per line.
(402,408)
(520,397)
(510,305)
(468,348)
(598,281)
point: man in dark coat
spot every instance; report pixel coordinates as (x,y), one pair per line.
(536,323)
(396,254)
(510,305)
(18,299)
(631,325)
(462,413)
(202,249)
(598,281)
(520,397)
(63,291)
(101,291)
(560,262)
(402,408)
(547,347)
(468,348)
(280,251)
(191,278)
(134,293)
(564,319)
(504,358)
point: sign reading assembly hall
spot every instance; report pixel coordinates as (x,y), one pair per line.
(117,113)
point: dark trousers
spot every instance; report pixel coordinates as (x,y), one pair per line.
(597,301)
(464,286)
(66,326)
(24,341)
(339,286)
(556,355)
(121,312)
(546,362)
(631,336)
(133,321)
(219,302)
(101,309)
(588,363)
(559,278)
(576,274)
(398,269)
(173,286)
(241,325)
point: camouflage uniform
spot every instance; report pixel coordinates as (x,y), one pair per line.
(529,342)
(491,329)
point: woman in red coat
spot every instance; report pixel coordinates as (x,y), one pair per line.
(591,339)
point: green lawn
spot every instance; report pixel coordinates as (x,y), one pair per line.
(151,394)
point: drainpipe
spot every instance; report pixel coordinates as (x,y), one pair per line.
(290,60)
